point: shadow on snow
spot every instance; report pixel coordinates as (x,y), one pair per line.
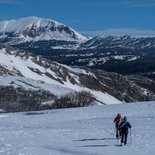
(93,139)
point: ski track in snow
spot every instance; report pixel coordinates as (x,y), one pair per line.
(79,131)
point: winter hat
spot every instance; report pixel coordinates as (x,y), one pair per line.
(125,119)
(118,115)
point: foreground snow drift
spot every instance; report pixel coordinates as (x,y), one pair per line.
(83,131)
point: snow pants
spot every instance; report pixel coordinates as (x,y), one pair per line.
(118,132)
(124,138)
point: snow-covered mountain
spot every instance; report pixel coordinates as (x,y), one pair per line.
(19,69)
(122,42)
(36,29)
(61,43)
(29,72)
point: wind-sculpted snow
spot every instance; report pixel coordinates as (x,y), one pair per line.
(80,131)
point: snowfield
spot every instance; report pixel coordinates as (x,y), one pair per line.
(79,131)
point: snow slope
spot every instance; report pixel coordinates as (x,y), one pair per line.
(79,131)
(40,77)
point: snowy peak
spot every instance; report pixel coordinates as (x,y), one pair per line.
(24,23)
(36,29)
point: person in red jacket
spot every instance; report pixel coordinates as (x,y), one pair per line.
(118,120)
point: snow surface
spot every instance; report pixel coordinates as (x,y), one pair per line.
(79,131)
(17,63)
(30,84)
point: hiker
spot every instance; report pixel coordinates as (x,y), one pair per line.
(124,130)
(118,120)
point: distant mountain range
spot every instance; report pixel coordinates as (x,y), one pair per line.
(122,42)
(58,42)
(36,76)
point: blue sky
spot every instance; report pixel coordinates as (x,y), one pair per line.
(88,16)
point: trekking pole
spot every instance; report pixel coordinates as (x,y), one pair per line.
(114,132)
(130,137)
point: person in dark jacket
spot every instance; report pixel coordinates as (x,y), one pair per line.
(124,130)
(118,120)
